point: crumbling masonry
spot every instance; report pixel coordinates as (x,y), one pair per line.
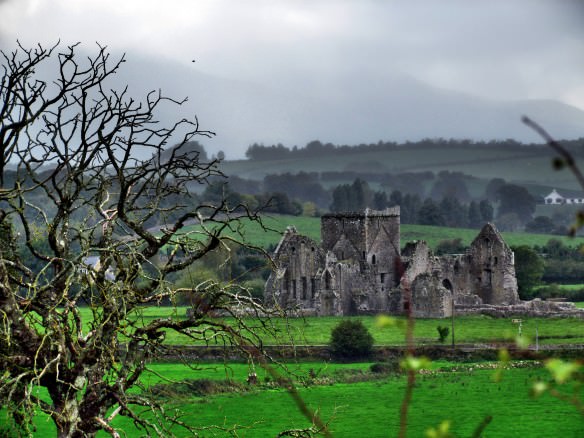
(360,269)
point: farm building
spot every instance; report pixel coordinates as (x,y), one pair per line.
(554,198)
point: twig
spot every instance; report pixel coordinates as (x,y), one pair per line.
(568,159)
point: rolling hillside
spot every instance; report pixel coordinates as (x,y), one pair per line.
(276,224)
(528,166)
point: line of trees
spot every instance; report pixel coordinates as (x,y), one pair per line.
(316,148)
(449,211)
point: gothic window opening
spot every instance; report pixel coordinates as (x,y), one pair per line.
(487,277)
(447,284)
(304,288)
(373,259)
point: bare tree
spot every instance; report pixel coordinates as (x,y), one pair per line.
(76,215)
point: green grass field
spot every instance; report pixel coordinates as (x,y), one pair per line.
(310,226)
(371,408)
(316,330)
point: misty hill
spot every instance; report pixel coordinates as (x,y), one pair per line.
(528,165)
(395,108)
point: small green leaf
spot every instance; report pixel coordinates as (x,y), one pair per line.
(504,356)
(538,389)
(522,342)
(384,321)
(561,370)
(442,431)
(416,363)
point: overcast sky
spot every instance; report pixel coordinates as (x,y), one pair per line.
(501,49)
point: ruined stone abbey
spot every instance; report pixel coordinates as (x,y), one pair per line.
(359,268)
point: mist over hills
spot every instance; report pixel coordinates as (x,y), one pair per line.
(341,111)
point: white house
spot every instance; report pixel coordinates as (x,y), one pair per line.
(555,198)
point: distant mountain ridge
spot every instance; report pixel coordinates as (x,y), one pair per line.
(392,108)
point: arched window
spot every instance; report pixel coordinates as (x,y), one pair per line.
(373,259)
(447,284)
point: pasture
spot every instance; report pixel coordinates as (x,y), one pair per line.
(275,225)
(369,405)
(316,330)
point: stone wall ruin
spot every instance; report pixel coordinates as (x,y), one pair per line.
(360,269)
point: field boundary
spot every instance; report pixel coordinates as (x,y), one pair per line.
(461,352)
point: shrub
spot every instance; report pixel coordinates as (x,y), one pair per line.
(351,340)
(195,387)
(442,333)
(385,367)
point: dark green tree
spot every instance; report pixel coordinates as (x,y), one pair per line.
(353,197)
(454,213)
(540,224)
(430,214)
(380,201)
(395,198)
(529,269)
(361,195)
(410,207)
(475,218)
(487,211)
(341,198)
(516,199)
(493,187)
(350,339)
(450,185)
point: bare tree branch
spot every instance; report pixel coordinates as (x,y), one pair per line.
(78,212)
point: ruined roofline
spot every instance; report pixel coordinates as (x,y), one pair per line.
(388,212)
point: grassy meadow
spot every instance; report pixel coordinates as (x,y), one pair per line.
(361,406)
(310,226)
(316,330)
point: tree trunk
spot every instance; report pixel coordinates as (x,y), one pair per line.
(69,421)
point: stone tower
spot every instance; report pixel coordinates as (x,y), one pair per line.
(369,240)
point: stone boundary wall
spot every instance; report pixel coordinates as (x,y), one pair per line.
(461,352)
